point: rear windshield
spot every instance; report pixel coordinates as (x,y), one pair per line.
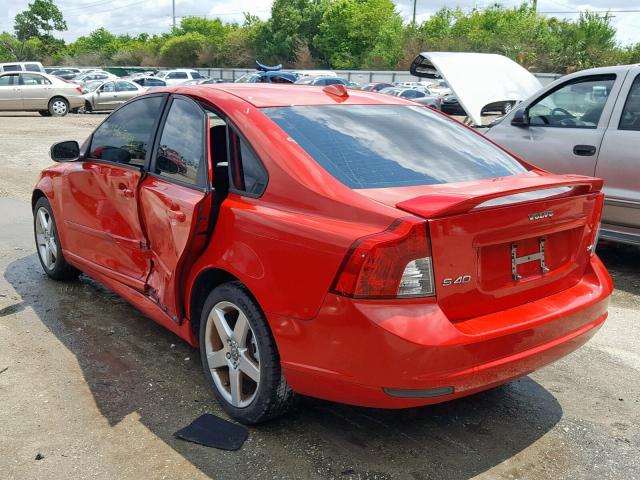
(376,146)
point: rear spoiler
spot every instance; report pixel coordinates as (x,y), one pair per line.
(462,198)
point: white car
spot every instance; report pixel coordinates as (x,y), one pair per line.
(93,76)
(178,76)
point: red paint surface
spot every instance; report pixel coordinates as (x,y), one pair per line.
(149,241)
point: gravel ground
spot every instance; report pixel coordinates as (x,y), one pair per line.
(90,388)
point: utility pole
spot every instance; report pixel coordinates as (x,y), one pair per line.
(414,11)
(174,14)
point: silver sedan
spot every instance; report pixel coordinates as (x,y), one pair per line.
(38,92)
(109,95)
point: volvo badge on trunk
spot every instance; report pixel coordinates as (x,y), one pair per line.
(541,215)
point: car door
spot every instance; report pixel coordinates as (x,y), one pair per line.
(173,200)
(126,91)
(619,160)
(102,226)
(10,96)
(35,90)
(106,97)
(566,125)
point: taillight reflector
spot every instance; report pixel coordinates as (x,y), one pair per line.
(395,263)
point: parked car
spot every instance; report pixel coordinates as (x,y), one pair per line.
(48,70)
(586,123)
(22,67)
(149,81)
(323,81)
(451,106)
(38,92)
(432,101)
(66,73)
(376,87)
(267,77)
(303,254)
(109,95)
(93,75)
(175,77)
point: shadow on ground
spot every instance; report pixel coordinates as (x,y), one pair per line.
(623,262)
(133,365)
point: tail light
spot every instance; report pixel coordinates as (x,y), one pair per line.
(79,89)
(395,263)
(597,216)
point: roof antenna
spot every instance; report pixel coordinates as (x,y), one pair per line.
(336,89)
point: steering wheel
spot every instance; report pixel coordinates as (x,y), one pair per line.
(561,110)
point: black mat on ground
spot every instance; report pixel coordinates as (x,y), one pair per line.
(213,431)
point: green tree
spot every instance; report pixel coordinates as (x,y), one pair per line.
(182,50)
(39,20)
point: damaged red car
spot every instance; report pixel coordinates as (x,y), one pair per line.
(344,245)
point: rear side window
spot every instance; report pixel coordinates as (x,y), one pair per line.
(31,79)
(196,75)
(630,119)
(180,153)
(12,68)
(376,146)
(123,86)
(8,80)
(32,67)
(248,175)
(124,137)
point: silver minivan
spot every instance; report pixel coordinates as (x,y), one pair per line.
(21,67)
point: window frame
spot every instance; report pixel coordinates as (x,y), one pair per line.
(13,76)
(635,81)
(150,166)
(573,81)
(154,133)
(242,138)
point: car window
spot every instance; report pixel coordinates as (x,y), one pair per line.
(409,94)
(108,87)
(247,172)
(154,82)
(124,137)
(196,75)
(180,154)
(412,145)
(177,75)
(32,67)
(8,80)
(577,104)
(31,79)
(630,119)
(12,68)
(122,86)
(333,81)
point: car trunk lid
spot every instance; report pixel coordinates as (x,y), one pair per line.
(507,241)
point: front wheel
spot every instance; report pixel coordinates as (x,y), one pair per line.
(48,243)
(240,358)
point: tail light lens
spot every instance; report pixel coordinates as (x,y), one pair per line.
(395,263)
(79,89)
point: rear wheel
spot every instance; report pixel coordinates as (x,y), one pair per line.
(240,358)
(58,107)
(48,243)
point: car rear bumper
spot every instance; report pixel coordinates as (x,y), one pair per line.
(403,354)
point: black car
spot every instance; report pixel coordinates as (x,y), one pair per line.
(451,106)
(66,73)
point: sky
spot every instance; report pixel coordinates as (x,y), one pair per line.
(155,16)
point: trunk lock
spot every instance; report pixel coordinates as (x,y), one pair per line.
(515,260)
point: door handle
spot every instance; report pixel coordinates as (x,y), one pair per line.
(584,150)
(125,191)
(176,215)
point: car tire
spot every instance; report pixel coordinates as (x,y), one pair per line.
(44,113)
(48,243)
(237,348)
(58,107)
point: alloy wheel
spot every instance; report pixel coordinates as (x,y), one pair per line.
(46,238)
(232,354)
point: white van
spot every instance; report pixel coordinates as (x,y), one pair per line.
(21,67)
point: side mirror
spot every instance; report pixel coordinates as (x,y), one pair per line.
(68,151)
(520,118)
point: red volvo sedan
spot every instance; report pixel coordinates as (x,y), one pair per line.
(339,244)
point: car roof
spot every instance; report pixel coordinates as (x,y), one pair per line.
(282,95)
